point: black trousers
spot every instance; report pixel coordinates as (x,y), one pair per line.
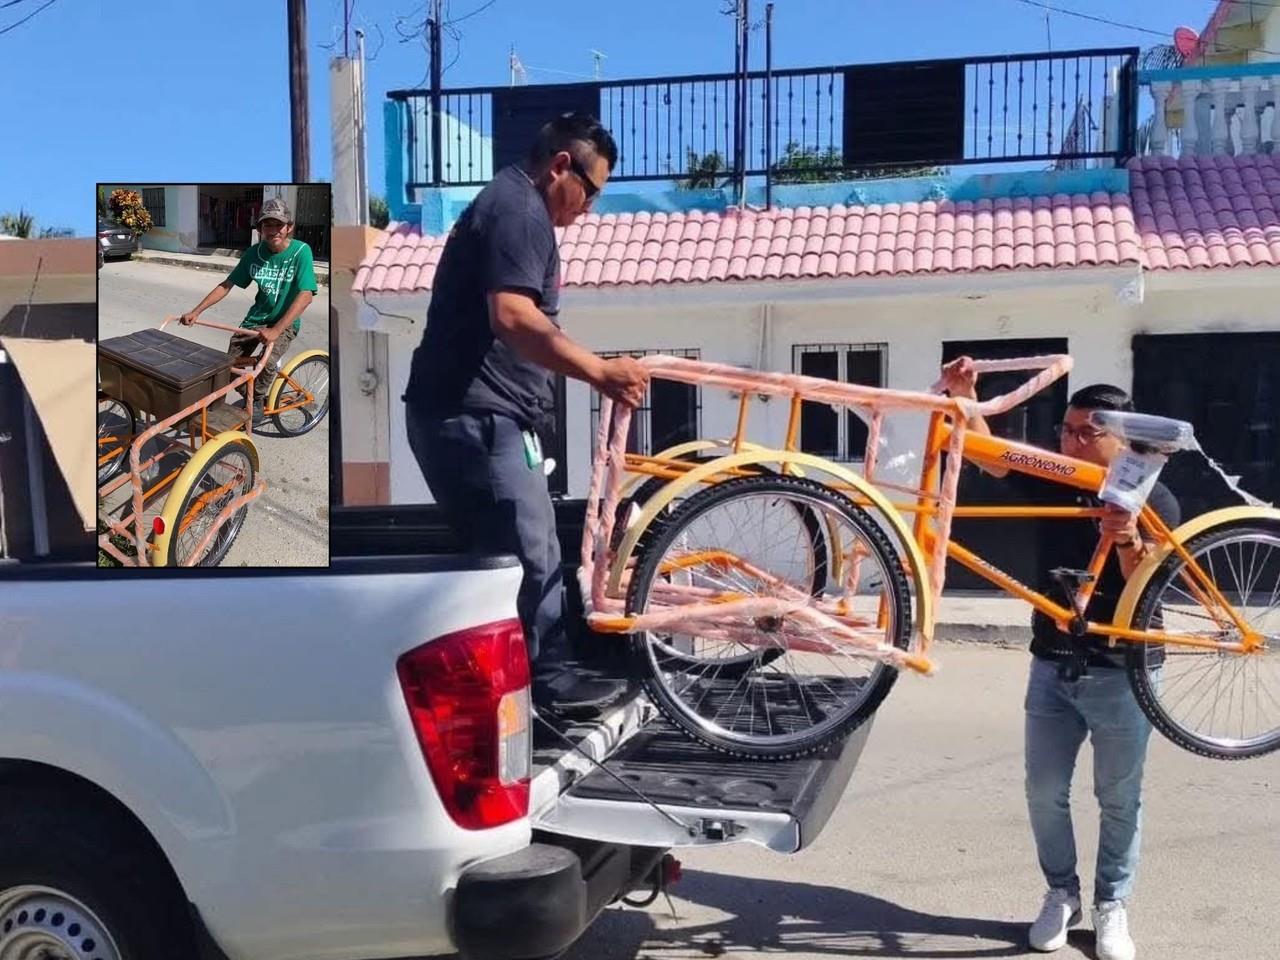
(476,468)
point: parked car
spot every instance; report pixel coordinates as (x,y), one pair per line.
(115,240)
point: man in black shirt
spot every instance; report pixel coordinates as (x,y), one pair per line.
(480,402)
(1064,704)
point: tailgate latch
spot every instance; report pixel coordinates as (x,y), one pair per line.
(719,829)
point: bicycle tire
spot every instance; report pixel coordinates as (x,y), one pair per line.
(876,686)
(314,417)
(231,529)
(112,468)
(1149,614)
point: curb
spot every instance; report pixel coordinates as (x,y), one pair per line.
(997,634)
(322,277)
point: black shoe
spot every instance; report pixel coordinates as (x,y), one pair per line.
(567,695)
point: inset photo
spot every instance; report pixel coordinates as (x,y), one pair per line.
(213,374)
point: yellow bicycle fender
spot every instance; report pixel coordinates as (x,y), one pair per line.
(679,450)
(273,395)
(178,492)
(918,568)
(1128,602)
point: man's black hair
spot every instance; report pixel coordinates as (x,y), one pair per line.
(1101,396)
(570,131)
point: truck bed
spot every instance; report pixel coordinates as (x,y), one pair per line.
(632,777)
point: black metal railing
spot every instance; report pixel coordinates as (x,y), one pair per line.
(799,124)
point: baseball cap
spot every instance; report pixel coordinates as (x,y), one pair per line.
(275,209)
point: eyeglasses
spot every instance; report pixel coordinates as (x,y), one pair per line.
(1084,435)
(588,185)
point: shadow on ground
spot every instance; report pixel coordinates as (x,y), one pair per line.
(775,917)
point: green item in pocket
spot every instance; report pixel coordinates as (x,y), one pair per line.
(532,449)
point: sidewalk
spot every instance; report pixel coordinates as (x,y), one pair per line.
(216,263)
(984,619)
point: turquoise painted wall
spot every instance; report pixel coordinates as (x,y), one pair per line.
(440,208)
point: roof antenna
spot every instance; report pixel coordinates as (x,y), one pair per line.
(518,73)
(598,57)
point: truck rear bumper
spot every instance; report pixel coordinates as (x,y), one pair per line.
(536,902)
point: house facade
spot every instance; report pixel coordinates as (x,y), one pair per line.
(1160,274)
(189,218)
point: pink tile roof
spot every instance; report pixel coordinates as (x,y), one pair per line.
(1207,211)
(1202,211)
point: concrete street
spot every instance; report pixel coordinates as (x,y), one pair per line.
(289,524)
(930,854)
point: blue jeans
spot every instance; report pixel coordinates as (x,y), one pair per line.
(1059,714)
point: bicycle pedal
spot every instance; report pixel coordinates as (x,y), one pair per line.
(1078,577)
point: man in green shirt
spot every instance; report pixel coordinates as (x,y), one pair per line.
(286,277)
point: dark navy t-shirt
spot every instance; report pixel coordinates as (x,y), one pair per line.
(504,240)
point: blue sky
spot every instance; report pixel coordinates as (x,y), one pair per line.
(156,90)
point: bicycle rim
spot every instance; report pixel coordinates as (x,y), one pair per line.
(1224,705)
(312,377)
(227,476)
(769,683)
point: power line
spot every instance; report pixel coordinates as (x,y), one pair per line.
(467,16)
(18,23)
(563,73)
(1164,34)
(1096,19)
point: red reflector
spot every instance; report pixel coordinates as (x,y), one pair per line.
(157,525)
(473,734)
(672,871)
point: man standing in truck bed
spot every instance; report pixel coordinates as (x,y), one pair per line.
(480,398)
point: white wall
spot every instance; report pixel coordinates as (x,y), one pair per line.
(1098,324)
(1270,37)
(407,485)
(181,224)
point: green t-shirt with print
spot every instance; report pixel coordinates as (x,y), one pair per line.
(280,277)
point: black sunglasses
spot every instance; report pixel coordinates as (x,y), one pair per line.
(580,172)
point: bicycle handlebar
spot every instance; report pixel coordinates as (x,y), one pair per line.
(200,323)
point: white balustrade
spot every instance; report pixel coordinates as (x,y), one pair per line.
(1219,115)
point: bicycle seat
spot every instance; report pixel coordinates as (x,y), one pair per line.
(1161,434)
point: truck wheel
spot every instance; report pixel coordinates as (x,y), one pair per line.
(78,885)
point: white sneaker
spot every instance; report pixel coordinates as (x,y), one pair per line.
(1060,910)
(1111,926)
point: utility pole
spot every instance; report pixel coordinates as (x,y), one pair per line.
(437,72)
(298,90)
(346,29)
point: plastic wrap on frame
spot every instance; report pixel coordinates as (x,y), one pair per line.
(889,462)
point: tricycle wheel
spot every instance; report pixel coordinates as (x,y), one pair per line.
(306,376)
(227,475)
(116,424)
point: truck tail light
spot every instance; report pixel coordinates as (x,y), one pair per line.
(468,697)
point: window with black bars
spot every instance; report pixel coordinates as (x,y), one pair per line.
(153,200)
(825,431)
(671,412)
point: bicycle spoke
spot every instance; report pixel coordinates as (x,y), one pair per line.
(777,546)
(1225,700)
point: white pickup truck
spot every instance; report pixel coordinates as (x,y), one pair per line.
(340,765)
